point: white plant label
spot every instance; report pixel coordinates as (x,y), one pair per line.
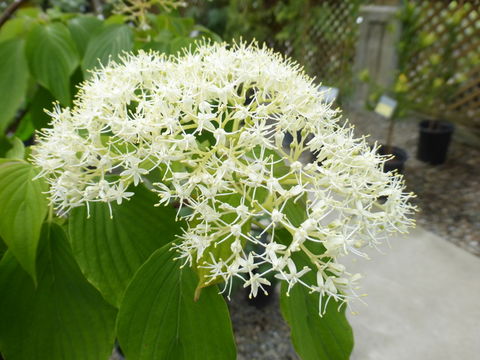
(386,106)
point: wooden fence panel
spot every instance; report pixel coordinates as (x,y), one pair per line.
(450,58)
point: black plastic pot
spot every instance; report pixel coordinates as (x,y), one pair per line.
(433,142)
(399,158)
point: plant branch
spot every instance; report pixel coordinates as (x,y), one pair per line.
(10,10)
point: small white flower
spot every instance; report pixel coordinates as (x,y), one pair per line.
(255,282)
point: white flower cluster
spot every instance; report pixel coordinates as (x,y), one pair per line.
(207,129)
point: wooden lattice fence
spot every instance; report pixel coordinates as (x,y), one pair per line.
(438,49)
(443,68)
(320,34)
(325,43)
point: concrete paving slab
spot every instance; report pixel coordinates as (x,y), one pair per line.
(423,301)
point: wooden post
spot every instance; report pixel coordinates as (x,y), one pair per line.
(376,49)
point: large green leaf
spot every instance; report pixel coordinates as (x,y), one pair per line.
(13,80)
(52,57)
(110,250)
(158,318)
(13,28)
(19,25)
(107,45)
(82,28)
(315,337)
(329,337)
(23,207)
(64,317)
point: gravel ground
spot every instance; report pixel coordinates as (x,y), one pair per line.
(260,334)
(448,195)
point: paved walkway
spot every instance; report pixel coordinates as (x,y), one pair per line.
(423,302)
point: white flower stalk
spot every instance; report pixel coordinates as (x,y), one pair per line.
(209,126)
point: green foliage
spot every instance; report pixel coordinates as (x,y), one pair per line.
(82,28)
(17,151)
(329,337)
(52,58)
(158,318)
(109,250)
(13,79)
(110,258)
(107,45)
(41,54)
(20,25)
(62,317)
(23,207)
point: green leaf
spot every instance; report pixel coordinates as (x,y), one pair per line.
(107,45)
(3,248)
(20,25)
(23,207)
(13,28)
(82,28)
(117,19)
(315,337)
(295,210)
(25,128)
(63,317)
(13,80)
(52,57)
(110,250)
(178,26)
(158,318)
(17,151)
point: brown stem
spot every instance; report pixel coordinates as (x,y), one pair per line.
(388,145)
(10,10)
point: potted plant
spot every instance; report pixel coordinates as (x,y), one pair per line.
(387,108)
(434,76)
(390,104)
(428,77)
